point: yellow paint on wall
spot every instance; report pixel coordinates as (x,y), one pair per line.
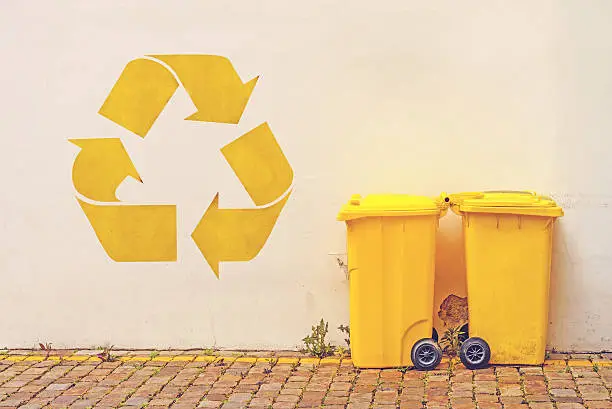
(259,163)
(234,234)
(213,85)
(100,167)
(134,232)
(139,95)
(148,232)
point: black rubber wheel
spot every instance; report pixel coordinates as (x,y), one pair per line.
(426,354)
(475,353)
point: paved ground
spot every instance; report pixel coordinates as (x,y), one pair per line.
(76,379)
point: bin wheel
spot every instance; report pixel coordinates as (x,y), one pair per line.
(475,353)
(426,354)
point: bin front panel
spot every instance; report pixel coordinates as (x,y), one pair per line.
(508,260)
(391,265)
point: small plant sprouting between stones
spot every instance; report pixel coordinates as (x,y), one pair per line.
(451,341)
(342,351)
(106,355)
(347,331)
(154,354)
(45,347)
(315,343)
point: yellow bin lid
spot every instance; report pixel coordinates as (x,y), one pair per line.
(505,202)
(392,205)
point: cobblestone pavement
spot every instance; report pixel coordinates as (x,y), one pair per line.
(177,379)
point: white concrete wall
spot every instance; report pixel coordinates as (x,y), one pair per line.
(386,96)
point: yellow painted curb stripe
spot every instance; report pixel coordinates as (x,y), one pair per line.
(555,362)
(162,359)
(330,361)
(35,358)
(603,363)
(579,362)
(205,358)
(229,359)
(314,361)
(248,359)
(76,358)
(288,361)
(184,358)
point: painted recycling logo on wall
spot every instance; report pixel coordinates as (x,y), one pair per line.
(148,233)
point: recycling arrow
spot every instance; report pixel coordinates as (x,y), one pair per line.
(145,87)
(137,232)
(213,85)
(134,232)
(260,164)
(234,234)
(100,167)
(126,232)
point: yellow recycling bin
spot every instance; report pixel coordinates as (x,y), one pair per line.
(508,246)
(391,241)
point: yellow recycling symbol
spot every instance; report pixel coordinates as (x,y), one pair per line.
(143,232)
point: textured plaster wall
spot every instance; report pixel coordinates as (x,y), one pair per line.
(388,96)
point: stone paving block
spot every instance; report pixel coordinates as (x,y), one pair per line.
(604,404)
(540,405)
(563,393)
(571,405)
(513,400)
(486,398)
(538,398)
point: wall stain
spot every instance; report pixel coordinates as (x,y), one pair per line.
(454,311)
